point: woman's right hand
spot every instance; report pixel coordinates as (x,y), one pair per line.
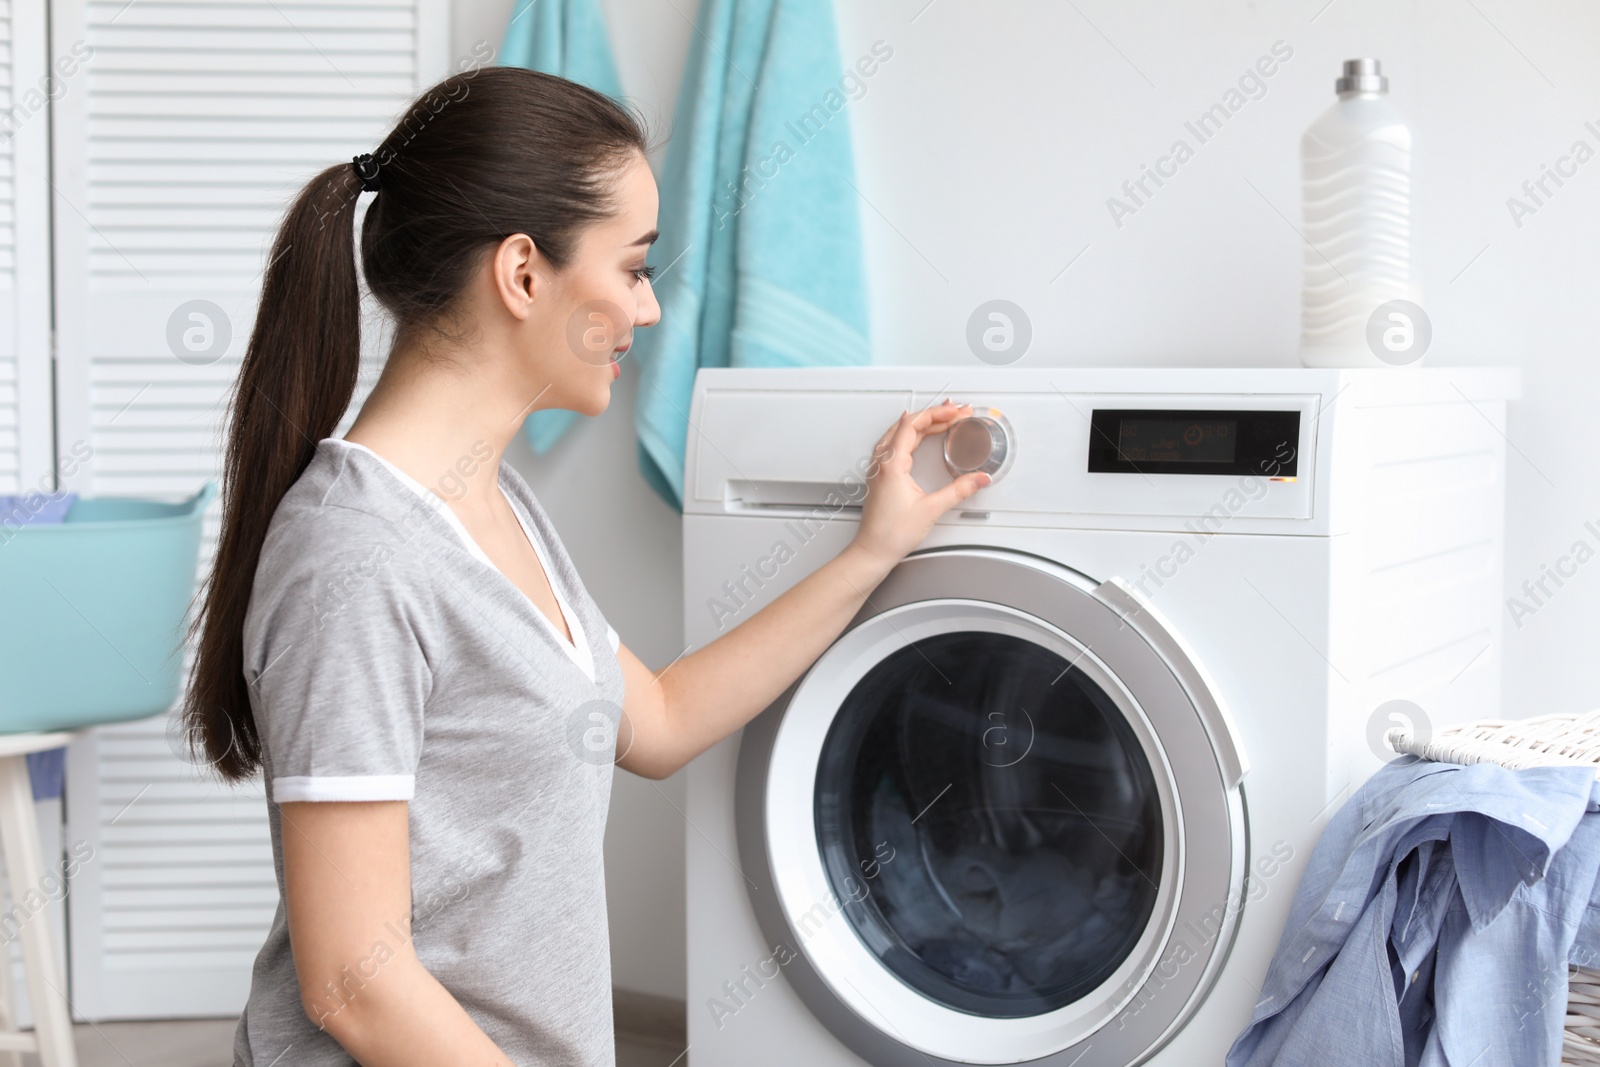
(897,513)
(705,695)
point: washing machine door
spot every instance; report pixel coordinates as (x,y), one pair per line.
(999,820)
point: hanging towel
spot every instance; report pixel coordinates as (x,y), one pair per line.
(567,38)
(759,259)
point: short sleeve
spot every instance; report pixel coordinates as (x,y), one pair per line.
(335,660)
(611,635)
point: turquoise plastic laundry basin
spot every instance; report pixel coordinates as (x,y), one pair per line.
(92,612)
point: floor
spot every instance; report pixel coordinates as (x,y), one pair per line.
(209,1043)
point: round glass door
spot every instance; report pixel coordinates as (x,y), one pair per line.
(981,816)
(990,824)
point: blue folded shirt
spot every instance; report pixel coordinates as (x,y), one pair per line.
(18,511)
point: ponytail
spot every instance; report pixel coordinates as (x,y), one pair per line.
(483,155)
(297,379)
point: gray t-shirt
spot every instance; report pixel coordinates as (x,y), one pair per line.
(389,660)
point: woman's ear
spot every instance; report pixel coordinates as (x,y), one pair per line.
(517,274)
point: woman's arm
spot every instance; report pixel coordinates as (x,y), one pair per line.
(672,717)
(347,888)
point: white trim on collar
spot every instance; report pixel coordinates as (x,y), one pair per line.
(576,649)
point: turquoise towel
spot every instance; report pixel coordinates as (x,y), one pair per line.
(568,38)
(759,262)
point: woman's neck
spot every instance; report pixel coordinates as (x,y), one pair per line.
(443,425)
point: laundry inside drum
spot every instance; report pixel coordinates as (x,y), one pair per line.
(990,823)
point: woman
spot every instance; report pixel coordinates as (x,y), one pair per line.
(393,633)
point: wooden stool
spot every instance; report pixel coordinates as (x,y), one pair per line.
(25,871)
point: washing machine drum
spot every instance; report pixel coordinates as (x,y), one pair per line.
(983,813)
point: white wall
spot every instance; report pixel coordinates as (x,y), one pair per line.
(987,149)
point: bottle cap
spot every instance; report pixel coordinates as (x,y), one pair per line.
(1361,76)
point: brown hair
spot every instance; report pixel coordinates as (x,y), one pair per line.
(484,154)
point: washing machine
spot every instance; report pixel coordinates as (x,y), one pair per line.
(1047,798)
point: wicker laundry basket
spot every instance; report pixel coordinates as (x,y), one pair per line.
(1547,741)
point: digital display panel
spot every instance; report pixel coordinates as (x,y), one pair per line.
(1194,441)
(1178,440)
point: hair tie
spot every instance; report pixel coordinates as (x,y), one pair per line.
(366,169)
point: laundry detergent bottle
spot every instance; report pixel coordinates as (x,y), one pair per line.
(1355,162)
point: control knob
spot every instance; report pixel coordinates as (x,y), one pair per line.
(981,442)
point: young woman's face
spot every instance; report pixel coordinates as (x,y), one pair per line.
(599,299)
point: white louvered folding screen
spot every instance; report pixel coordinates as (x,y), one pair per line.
(26,418)
(25,415)
(196,122)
